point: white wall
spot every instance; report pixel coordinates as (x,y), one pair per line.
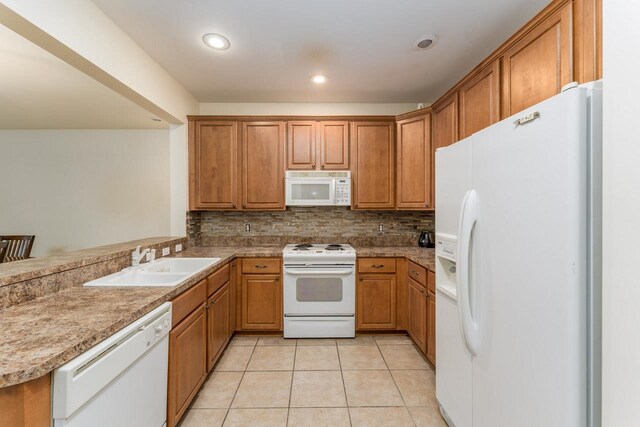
(319,109)
(75,189)
(621,215)
(79,32)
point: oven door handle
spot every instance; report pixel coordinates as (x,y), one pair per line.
(318,272)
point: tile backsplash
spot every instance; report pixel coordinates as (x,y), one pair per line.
(304,224)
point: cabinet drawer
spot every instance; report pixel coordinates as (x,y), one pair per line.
(217,279)
(377,265)
(185,303)
(261,265)
(431,281)
(417,273)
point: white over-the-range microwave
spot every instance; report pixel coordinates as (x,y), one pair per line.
(318,188)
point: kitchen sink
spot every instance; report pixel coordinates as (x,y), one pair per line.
(179,265)
(166,272)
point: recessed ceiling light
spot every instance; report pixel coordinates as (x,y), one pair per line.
(319,79)
(425,42)
(216,41)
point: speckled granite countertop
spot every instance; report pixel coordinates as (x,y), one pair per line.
(39,336)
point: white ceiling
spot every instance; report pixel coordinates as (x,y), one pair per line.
(365,47)
(40,91)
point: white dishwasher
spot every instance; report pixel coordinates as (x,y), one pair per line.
(121,382)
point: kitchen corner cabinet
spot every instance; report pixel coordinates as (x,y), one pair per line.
(263,165)
(261,295)
(376,307)
(373,165)
(213,165)
(479,100)
(187,351)
(538,65)
(413,184)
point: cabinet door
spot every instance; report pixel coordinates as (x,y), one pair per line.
(417,314)
(187,363)
(301,145)
(431,328)
(536,67)
(261,302)
(372,168)
(480,100)
(217,324)
(213,165)
(263,165)
(445,122)
(232,296)
(414,163)
(376,301)
(334,145)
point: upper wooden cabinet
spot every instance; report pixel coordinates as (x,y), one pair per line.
(317,145)
(334,145)
(213,165)
(480,100)
(445,122)
(301,145)
(263,165)
(539,64)
(413,176)
(372,165)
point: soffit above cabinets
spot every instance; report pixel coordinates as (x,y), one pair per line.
(40,91)
(366,48)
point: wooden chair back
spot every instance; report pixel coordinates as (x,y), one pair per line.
(19,247)
(4,244)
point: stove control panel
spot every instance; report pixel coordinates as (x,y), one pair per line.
(343,192)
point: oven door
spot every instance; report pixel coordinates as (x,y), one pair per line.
(319,290)
(310,192)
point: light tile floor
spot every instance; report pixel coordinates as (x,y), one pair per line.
(269,381)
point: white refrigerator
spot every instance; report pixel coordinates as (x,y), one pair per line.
(517,268)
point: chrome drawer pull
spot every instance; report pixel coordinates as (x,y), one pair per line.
(261,266)
(378,265)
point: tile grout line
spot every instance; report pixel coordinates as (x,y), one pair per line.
(239,383)
(394,383)
(344,386)
(295,352)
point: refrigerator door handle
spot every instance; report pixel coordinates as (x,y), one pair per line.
(466,225)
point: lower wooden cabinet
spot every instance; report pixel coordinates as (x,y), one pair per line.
(421,309)
(261,302)
(218,316)
(187,363)
(417,322)
(201,319)
(431,328)
(376,301)
(260,295)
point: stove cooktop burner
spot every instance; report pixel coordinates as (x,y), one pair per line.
(333,248)
(304,245)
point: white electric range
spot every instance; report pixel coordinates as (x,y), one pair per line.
(319,291)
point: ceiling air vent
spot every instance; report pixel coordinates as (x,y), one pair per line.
(425,42)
